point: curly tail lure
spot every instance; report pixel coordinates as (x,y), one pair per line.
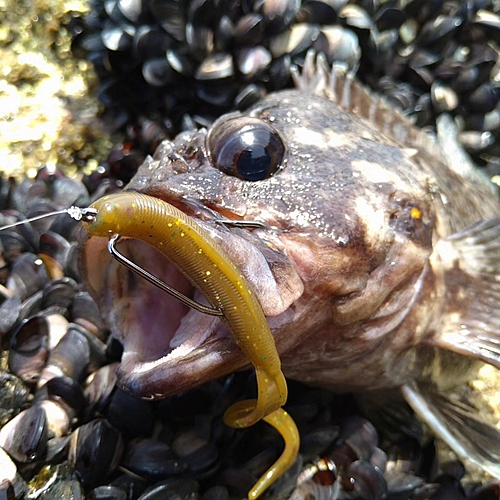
(196,255)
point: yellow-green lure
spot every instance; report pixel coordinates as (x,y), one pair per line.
(197,256)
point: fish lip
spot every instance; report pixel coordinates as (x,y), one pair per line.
(161,379)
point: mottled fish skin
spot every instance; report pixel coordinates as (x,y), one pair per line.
(358,240)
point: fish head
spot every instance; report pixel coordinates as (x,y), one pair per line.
(348,229)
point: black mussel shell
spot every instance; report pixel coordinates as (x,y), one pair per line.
(95,451)
(24,437)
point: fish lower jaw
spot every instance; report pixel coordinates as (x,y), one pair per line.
(182,364)
(184,343)
(161,378)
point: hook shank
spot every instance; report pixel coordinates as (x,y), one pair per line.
(157,281)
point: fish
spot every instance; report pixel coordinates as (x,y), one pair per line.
(378,266)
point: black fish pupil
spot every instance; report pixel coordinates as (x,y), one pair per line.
(246,147)
(254,163)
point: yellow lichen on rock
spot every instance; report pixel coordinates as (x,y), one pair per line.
(48,106)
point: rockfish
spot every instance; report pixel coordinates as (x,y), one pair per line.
(378,265)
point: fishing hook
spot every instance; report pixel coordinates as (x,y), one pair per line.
(132,266)
(241,223)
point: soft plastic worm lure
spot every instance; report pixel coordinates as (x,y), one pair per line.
(197,256)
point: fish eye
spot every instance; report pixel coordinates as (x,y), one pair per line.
(247,148)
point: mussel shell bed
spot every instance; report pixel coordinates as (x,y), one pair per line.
(179,63)
(66,430)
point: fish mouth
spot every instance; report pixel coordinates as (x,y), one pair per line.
(169,347)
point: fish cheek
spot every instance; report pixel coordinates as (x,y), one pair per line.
(395,266)
(325,268)
(381,298)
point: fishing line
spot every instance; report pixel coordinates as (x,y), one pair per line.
(77,213)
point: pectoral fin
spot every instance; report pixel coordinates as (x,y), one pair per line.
(467,267)
(458,424)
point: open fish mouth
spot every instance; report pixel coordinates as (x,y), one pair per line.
(169,347)
(160,334)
